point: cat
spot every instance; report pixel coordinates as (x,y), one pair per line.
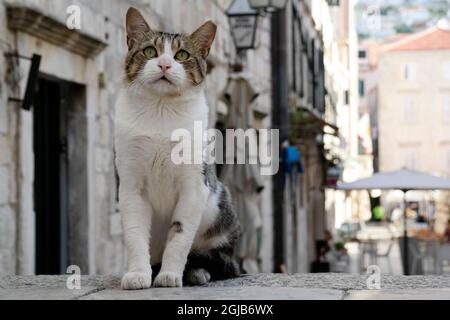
(178,218)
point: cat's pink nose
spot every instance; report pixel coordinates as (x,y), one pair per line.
(164,66)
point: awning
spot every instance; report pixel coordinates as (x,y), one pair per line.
(312,121)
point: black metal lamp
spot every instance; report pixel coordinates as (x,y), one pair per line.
(33,76)
(267,5)
(243,22)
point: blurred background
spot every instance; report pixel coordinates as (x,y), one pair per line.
(355,88)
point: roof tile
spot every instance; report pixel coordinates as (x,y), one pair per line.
(431,39)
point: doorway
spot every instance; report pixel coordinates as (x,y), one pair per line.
(60,182)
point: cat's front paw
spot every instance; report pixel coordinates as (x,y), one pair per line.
(137,280)
(168,279)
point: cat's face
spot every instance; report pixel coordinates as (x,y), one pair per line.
(162,63)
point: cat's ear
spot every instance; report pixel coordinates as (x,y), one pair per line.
(204,36)
(136,26)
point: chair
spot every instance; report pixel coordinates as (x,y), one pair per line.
(386,254)
(443,254)
(430,255)
(415,257)
(367,247)
(339,262)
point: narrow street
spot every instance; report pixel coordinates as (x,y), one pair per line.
(388,265)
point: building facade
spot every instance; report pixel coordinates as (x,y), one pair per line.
(57,180)
(58,203)
(414,107)
(323,106)
(353,162)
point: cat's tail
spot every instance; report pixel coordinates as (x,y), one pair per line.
(220,263)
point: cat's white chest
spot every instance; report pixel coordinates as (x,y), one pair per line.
(158,117)
(161,176)
(144,131)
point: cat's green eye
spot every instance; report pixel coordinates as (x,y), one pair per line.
(150,52)
(182,55)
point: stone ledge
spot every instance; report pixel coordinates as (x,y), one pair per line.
(338,281)
(37,24)
(256,287)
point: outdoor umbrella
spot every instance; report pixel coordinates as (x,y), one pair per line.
(404,180)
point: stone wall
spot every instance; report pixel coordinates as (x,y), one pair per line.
(101,77)
(8,150)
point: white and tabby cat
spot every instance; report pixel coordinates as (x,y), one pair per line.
(178,218)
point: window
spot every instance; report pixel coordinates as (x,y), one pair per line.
(411,159)
(409,71)
(320,96)
(446,70)
(446,110)
(448,161)
(333,3)
(362,54)
(362,88)
(409,110)
(297,54)
(347,97)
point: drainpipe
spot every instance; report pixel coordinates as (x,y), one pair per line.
(280,120)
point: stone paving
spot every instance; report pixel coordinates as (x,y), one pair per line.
(256,287)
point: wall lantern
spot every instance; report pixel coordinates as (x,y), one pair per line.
(243,17)
(267,5)
(333,3)
(243,22)
(33,77)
